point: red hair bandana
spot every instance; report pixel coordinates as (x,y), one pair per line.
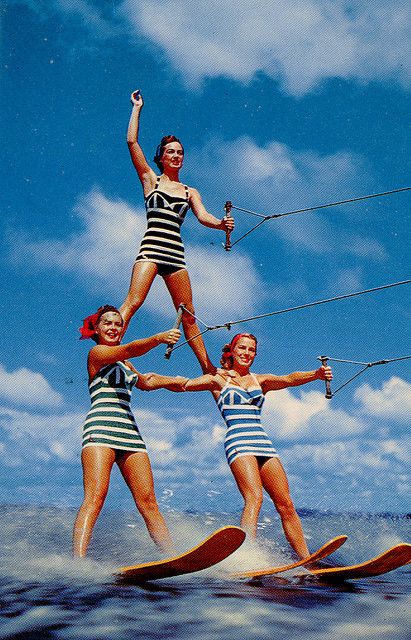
(89,326)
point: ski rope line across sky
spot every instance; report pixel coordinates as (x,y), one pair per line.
(273,216)
(228,325)
(366,365)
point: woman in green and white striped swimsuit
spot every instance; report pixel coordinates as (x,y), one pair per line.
(110,433)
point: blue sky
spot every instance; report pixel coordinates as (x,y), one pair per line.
(279,106)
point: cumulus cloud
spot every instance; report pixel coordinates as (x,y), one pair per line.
(392,401)
(27,387)
(281,179)
(307,414)
(299,43)
(40,436)
(103,253)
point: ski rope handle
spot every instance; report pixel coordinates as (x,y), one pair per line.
(177,323)
(227,208)
(328,392)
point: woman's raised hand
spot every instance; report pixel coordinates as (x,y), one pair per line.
(136,98)
(169,337)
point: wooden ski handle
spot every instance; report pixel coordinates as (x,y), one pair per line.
(177,323)
(328,392)
(227,208)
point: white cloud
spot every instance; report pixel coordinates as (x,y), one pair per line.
(309,415)
(280,179)
(300,43)
(103,253)
(349,457)
(27,387)
(35,436)
(392,401)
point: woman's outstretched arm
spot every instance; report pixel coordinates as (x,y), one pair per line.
(271,382)
(145,172)
(101,354)
(208,382)
(207,219)
(152,381)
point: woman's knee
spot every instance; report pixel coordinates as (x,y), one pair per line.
(147,503)
(133,302)
(253,497)
(286,508)
(93,501)
(188,318)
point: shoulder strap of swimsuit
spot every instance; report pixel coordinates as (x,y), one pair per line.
(187,194)
(254,377)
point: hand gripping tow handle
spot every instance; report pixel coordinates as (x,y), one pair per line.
(227,208)
(328,392)
(176,325)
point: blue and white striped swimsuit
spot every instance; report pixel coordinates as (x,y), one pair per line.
(241,410)
(110,421)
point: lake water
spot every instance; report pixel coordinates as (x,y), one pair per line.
(45,594)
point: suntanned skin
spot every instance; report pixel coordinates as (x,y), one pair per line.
(144,272)
(252,474)
(97,461)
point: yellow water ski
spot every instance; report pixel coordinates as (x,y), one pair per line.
(209,552)
(391,559)
(324,551)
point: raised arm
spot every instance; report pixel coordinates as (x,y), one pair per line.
(207,219)
(145,172)
(100,355)
(270,382)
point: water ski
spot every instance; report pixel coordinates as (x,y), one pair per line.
(324,551)
(393,558)
(209,552)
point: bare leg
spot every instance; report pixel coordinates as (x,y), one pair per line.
(136,470)
(247,475)
(97,464)
(179,286)
(142,278)
(275,483)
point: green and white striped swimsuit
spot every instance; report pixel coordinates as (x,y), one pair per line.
(110,421)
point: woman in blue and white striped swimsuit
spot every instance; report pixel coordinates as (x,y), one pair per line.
(110,432)
(250,453)
(161,252)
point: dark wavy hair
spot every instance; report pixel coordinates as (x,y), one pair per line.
(160,149)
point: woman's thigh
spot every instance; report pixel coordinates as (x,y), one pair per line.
(246,472)
(136,470)
(274,479)
(97,464)
(179,286)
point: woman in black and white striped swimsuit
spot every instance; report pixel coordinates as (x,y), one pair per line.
(161,251)
(110,432)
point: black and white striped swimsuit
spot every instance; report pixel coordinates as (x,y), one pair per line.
(110,421)
(162,241)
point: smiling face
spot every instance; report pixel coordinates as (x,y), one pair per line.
(244,352)
(109,328)
(172,156)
